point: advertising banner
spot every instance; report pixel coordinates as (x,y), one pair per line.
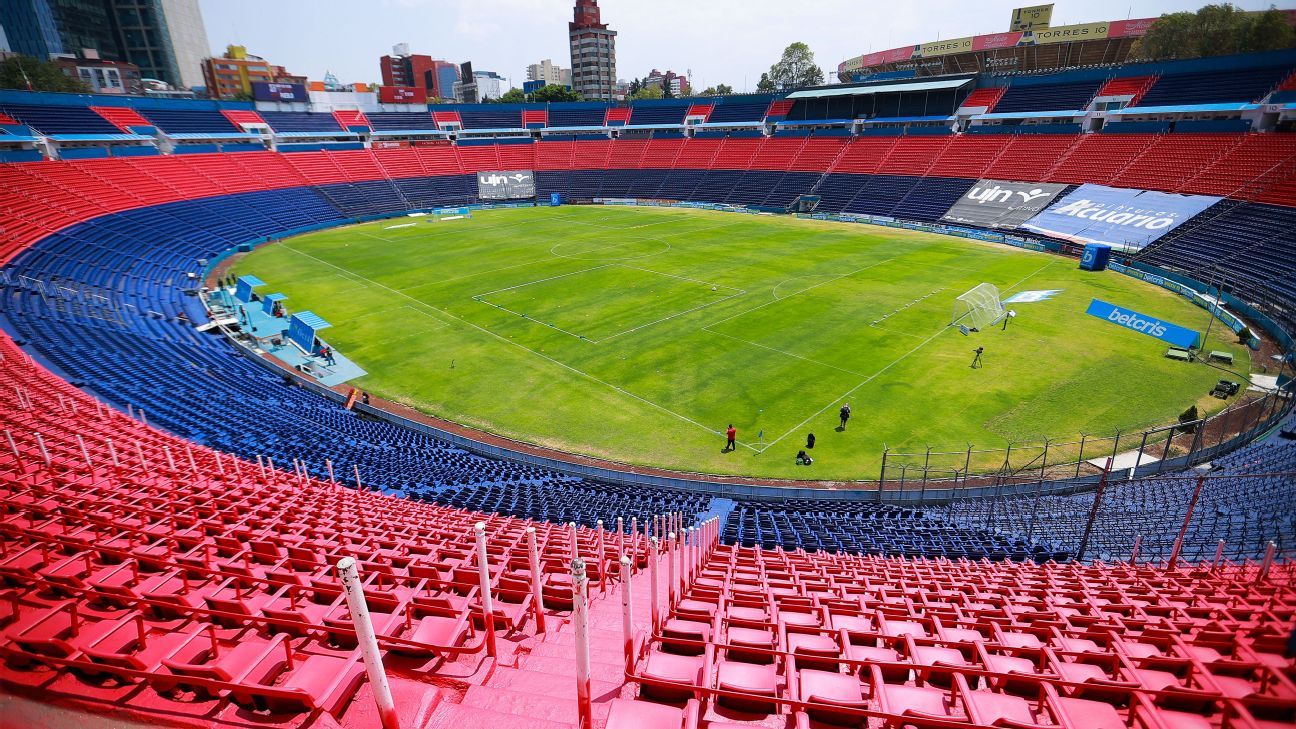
(400,95)
(1068,33)
(1135,28)
(1000,204)
(509,185)
(945,47)
(1035,16)
(1120,217)
(262,91)
(1143,324)
(996,40)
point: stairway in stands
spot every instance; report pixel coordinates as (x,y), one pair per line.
(540,690)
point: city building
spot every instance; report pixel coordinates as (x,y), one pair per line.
(549,74)
(234,73)
(166,39)
(433,78)
(671,83)
(593,53)
(489,85)
(103,76)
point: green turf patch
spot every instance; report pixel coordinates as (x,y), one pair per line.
(481,321)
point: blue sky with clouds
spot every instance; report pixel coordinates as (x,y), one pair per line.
(721,41)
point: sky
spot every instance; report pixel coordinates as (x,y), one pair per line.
(718,41)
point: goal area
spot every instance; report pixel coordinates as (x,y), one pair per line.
(978,308)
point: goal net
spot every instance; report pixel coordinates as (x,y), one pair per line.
(978,308)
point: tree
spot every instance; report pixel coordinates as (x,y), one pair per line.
(634,86)
(766,83)
(513,96)
(242,96)
(554,92)
(1215,30)
(649,91)
(16,71)
(723,89)
(796,69)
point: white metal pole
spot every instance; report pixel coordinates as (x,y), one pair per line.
(634,535)
(1138,539)
(170,458)
(602,557)
(1268,560)
(44,453)
(483,577)
(575,549)
(85,452)
(580,623)
(652,582)
(139,451)
(356,468)
(350,577)
(627,615)
(537,599)
(1219,553)
(620,536)
(13,446)
(329,465)
(670,571)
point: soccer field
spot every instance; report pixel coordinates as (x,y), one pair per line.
(639,334)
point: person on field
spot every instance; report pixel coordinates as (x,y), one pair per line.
(810,441)
(845,415)
(976,361)
(731,436)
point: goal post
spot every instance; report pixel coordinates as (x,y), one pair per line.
(980,307)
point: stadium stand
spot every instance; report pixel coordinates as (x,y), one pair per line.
(1046,97)
(1244,85)
(122,117)
(52,119)
(298,121)
(189,122)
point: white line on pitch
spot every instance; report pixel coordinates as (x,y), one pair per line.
(802,291)
(537,321)
(541,280)
(523,347)
(682,278)
(668,318)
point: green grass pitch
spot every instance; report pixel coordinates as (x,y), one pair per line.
(639,334)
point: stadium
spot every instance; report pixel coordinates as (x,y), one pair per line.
(415,415)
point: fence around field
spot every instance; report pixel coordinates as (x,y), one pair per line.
(1068,466)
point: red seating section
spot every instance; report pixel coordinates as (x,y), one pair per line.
(122,117)
(985,97)
(38,199)
(1131,86)
(8,120)
(1289,83)
(535,117)
(779,638)
(350,118)
(241,117)
(702,111)
(447,117)
(618,114)
(779,108)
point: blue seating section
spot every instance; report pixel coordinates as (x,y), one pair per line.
(54,119)
(189,122)
(399,121)
(1047,97)
(1241,85)
(739,111)
(477,117)
(669,113)
(300,121)
(870,528)
(563,115)
(1239,504)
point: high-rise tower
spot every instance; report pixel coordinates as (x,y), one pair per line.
(593,53)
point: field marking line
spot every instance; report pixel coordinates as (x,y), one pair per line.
(682,278)
(668,318)
(478,296)
(774,291)
(443,324)
(471,275)
(802,291)
(780,351)
(555,327)
(375,237)
(541,355)
(366,315)
(578,256)
(848,393)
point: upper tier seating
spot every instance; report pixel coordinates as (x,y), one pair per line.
(665,113)
(1046,97)
(1241,85)
(398,121)
(188,122)
(566,115)
(59,119)
(486,117)
(296,121)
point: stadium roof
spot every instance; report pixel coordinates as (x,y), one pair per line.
(879,89)
(1185,109)
(312,320)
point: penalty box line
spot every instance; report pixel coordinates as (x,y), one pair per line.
(525,348)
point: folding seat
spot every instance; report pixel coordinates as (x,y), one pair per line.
(826,691)
(203,655)
(317,682)
(673,677)
(130,645)
(58,631)
(757,683)
(440,627)
(685,636)
(631,714)
(813,650)
(910,705)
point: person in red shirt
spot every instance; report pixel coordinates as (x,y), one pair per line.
(731,434)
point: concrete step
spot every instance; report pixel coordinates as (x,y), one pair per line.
(565,668)
(600,654)
(460,716)
(547,684)
(554,707)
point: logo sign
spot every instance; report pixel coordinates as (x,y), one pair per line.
(510,185)
(1031,297)
(1143,324)
(1120,217)
(262,91)
(1001,204)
